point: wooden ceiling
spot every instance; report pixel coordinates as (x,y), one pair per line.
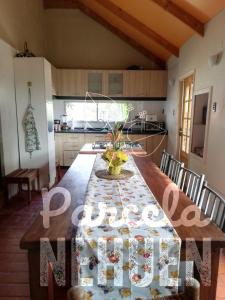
(157,28)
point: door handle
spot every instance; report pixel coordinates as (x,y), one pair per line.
(180,132)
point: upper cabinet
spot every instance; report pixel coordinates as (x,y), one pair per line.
(137,83)
(115,86)
(158,83)
(71,82)
(95,82)
(112,83)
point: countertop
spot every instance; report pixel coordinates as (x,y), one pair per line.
(105,132)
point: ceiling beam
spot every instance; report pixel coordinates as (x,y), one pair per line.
(125,37)
(182,15)
(138,25)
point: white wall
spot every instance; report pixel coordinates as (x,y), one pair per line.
(20,21)
(73,40)
(8,109)
(194,56)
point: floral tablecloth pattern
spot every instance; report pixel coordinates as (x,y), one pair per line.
(146,253)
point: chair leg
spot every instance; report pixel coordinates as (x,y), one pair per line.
(29,192)
(38,180)
(6,192)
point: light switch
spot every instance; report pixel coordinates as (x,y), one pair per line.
(214,107)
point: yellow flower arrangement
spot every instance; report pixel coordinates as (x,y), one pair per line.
(115,160)
(114,155)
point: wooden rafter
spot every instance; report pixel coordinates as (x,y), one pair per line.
(138,25)
(182,15)
(104,22)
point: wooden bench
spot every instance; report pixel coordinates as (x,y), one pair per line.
(20,177)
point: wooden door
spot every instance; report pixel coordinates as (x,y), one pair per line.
(186,118)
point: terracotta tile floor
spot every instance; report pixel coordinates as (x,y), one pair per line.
(14,221)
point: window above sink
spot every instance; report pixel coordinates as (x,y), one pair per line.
(92,112)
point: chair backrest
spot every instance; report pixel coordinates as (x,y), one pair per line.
(174,169)
(191,183)
(213,205)
(165,161)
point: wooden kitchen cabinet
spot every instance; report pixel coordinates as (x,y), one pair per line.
(158,83)
(69,157)
(96,81)
(112,83)
(155,144)
(137,83)
(148,84)
(72,82)
(68,145)
(91,138)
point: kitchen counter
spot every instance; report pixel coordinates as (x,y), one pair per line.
(69,143)
(105,132)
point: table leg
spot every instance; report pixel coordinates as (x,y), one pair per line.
(209,292)
(20,187)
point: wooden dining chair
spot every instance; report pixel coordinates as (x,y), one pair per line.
(191,292)
(191,183)
(174,169)
(165,159)
(213,205)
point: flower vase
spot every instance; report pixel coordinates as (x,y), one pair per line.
(115,170)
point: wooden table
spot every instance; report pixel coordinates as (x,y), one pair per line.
(20,177)
(76,181)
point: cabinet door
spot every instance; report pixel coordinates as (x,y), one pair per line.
(137,83)
(91,138)
(155,146)
(59,148)
(95,82)
(69,157)
(115,84)
(72,82)
(158,86)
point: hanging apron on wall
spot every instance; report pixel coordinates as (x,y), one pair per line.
(32,142)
